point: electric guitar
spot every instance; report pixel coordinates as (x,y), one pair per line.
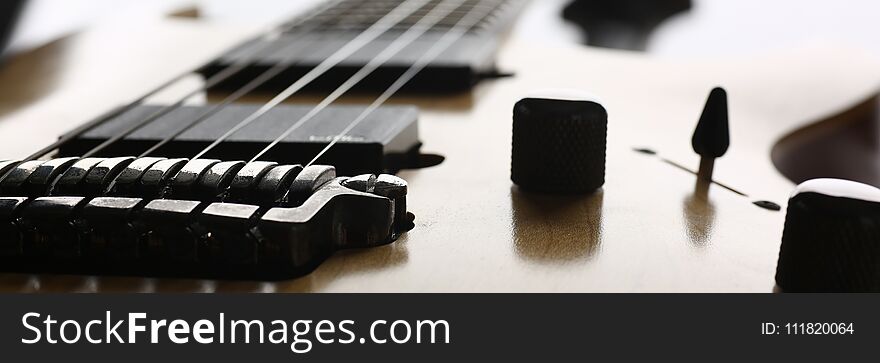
(273,161)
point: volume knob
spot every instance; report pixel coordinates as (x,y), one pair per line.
(559,142)
(831,240)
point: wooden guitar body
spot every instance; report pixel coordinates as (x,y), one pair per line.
(650,228)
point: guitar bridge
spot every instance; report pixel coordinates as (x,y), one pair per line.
(198,218)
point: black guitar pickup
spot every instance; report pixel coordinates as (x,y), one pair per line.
(198,218)
(387,140)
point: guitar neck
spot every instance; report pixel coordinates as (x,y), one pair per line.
(306,41)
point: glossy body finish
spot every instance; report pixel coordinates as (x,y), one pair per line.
(650,228)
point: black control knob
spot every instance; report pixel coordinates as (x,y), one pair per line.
(831,241)
(559,140)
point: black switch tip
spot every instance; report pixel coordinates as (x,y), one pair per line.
(712,136)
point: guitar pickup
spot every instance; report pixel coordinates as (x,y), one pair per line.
(387,140)
(190,218)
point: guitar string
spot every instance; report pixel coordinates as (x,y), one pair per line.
(424,24)
(213,80)
(101,119)
(452,35)
(95,123)
(395,16)
(210,82)
(225,73)
(213,109)
(241,92)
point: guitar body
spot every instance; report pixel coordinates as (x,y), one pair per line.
(648,229)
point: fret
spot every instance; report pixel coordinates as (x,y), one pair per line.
(326,28)
(357,15)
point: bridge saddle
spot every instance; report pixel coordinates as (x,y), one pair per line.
(189,218)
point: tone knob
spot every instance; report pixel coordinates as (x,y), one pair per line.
(831,240)
(559,142)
